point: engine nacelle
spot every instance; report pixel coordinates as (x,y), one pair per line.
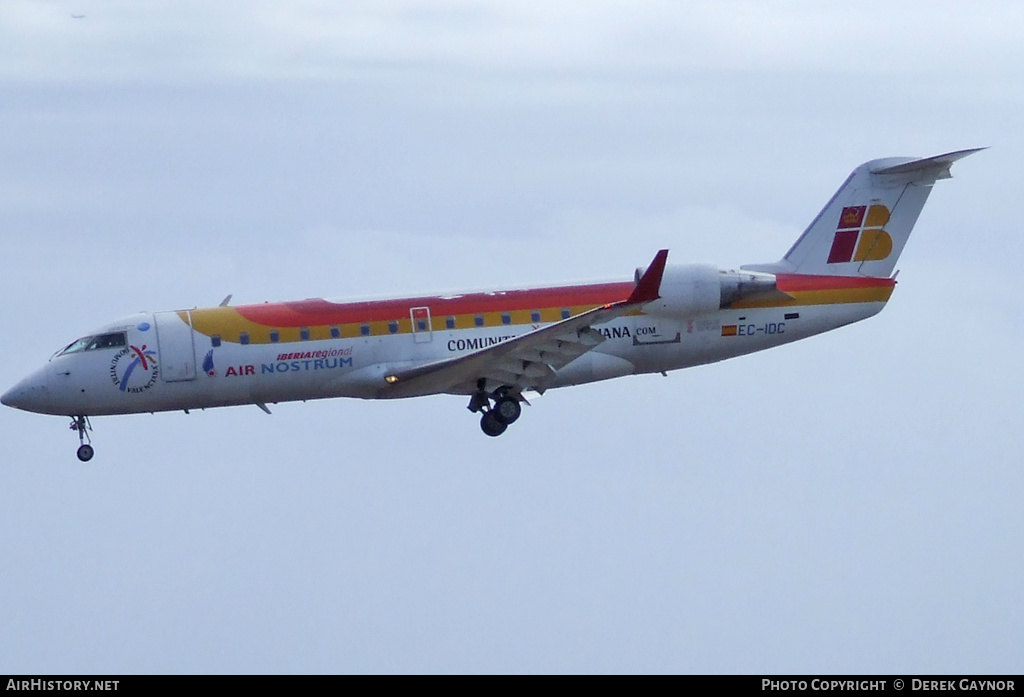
(688,290)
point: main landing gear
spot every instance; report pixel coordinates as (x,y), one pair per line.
(496,417)
(82,425)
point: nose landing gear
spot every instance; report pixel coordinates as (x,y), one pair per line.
(82,425)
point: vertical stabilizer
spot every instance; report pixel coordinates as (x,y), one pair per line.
(864,227)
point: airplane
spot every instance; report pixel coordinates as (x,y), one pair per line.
(497,348)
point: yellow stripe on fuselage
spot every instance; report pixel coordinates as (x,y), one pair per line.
(836,296)
(228,324)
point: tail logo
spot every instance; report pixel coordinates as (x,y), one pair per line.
(860,235)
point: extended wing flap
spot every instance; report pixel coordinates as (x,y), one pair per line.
(517,369)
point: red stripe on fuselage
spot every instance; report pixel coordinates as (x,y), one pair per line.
(797,282)
(317,312)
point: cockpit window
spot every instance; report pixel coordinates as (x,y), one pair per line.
(108,341)
(76,346)
(100,341)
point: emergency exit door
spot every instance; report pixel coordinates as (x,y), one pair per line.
(421,324)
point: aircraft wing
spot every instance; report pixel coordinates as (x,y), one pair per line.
(527,362)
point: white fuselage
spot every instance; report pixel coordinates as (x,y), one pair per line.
(97,381)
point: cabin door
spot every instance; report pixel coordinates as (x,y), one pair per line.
(177,357)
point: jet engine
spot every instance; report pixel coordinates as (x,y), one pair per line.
(688,290)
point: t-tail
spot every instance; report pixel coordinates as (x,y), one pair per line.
(863,228)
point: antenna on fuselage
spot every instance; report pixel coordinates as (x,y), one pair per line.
(225,301)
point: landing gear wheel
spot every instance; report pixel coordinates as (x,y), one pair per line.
(82,425)
(491,424)
(508,410)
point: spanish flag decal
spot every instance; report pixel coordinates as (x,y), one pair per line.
(728,330)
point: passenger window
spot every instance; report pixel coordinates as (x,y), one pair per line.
(449,323)
(535,315)
(566,313)
(275,337)
(506,318)
(304,334)
(478,320)
(364,329)
(393,327)
(243,338)
(215,340)
(335,332)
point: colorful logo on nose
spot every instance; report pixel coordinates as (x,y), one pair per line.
(860,235)
(133,369)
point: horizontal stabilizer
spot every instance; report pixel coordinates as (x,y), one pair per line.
(939,163)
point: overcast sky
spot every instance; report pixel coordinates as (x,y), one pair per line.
(850,503)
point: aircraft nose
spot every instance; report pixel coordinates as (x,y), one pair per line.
(31,394)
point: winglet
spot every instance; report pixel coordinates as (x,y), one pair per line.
(650,283)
